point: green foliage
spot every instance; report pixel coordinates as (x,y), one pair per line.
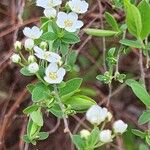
(100,33)
(139,133)
(139,91)
(131,43)
(144,8)
(37,117)
(133,19)
(25,72)
(111,21)
(80,102)
(70,86)
(144,118)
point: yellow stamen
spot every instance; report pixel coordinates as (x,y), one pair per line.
(68,23)
(53,75)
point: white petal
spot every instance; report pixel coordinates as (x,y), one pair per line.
(50,13)
(70,29)
(61,17)
(27,31)
(54,58)
(61,72)
(39,52)
(53,67)
(41,3)
(73,16)
(78,24)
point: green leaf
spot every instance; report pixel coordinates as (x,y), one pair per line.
(71,85)
(78,141)
(80,102)
(143,147)
(39,91)
(56,110)
(70,38)
(26,138)
(111,21)
(144,9)
(64,47)
(25,72)
(100,33)
(30,109)
(144,118)
(49,36)
(133,19)
(138,133)
(43,135)
(139,91)
(94,137)
(72,57)
(32,129)
(148,140)
(131,43)
(30,87)
(37,117)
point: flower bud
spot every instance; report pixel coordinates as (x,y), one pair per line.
(85,133)
(96,114)
(43,45)
(17,46)
(33,68)
(109,116)
(31,59)
(119,127)
(29,44)
(105,136)
(15,58)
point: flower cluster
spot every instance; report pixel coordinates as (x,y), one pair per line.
(99,116)
(54,72)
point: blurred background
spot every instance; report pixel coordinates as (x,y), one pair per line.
(14,16)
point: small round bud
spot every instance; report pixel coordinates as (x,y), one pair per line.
(15,58)
(29,44)
(43,45)
(33,68)
(18,46)
(105,136)
(85,134)
(119,127)
(109,116)
(31,59)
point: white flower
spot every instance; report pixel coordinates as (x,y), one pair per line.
(54,75)
(78,6)
(15,58)
(33,33)
(69,21)
(119,126)
(85,133)
(50,13)
(33,67)
(96,114)
(47,55)
(18,45)
(105,136)
(29,44)
(48,3)
(109,116)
